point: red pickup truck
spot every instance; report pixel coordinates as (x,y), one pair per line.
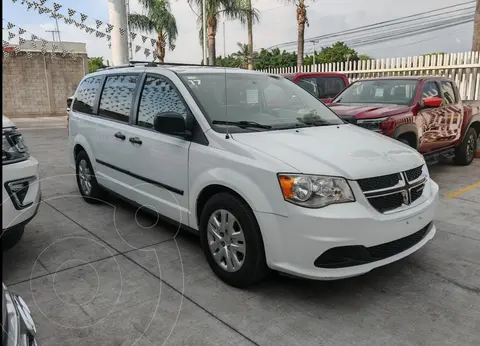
(323,85)
(424,112)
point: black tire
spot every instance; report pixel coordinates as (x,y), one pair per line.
(96,194)
(404,141)
(12,237)
(465,152)
(254,267)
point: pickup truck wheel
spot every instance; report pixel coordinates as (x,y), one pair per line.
(465,152)
(87,182)
(232,242)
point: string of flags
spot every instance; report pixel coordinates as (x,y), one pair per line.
(36,43)
(100,30)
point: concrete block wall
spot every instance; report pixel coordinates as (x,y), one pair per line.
(39,86)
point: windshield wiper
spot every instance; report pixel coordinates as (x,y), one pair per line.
(242,123)
(317,122)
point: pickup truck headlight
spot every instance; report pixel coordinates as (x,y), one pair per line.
(314,191)
(372,124)
(13,148)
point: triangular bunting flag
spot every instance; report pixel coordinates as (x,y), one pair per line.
(21,40)
(83,17)
(137,49)
(56,6)
(147,52)
(10,35)
(21,31)
(10,25)
(71,12)
(153,41)
(98,22)
(109,27)
(144,38)
(29,55)
(133,35)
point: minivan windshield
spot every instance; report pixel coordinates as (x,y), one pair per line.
(256,102)
(388,91)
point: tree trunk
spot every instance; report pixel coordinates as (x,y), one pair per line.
(301,20)
(211,32)
(250,35)
(476,29)
(161,47)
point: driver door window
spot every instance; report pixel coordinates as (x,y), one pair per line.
(158,96)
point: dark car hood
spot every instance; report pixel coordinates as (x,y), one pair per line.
(368,111)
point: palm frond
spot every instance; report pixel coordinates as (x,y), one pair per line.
(141,22)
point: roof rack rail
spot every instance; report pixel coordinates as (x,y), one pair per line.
(154,63)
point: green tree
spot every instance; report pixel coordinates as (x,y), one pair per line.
(158,18)
(95,63)
(250,17)
(244,57)
(337,52)
(365,57)
(231,9)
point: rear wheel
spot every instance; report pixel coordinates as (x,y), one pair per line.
(87,183)
(231,241)
(465,152)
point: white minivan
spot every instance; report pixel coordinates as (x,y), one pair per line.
(268,185)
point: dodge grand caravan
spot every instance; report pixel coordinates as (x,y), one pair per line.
(288,187)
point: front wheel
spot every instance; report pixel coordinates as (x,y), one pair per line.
(465,152)
(231,241)
(87,183)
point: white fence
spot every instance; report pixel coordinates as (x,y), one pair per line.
(463,68)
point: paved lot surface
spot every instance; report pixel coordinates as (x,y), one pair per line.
(109,275)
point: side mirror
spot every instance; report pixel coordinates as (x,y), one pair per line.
(432,102)
(171,123)
(69,103)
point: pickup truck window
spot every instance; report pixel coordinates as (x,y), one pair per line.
(329,86)
(243,97)
(387,91)
(310,85)
(448,92)
(430,89)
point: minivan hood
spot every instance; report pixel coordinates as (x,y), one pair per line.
(339,150)
(368,111)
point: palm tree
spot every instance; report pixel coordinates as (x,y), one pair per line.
(231,9)
(250,17)
(302,20)
(476,29)
(158,18)
(245,56)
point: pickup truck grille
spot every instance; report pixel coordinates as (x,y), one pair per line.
(394,191)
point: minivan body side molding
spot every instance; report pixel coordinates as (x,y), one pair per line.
(147,180)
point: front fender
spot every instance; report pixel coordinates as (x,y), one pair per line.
(81,140)
(265,197)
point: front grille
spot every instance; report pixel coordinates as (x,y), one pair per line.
(377,183)
(349,256)
(387,202)
(389,192)
(414,173)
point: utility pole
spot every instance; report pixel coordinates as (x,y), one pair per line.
(250,35)
(130,45)
(56,31)
(117,12)
(476,29)
(204,23)
(313,42)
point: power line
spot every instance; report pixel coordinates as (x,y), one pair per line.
(407,31)
(379,25)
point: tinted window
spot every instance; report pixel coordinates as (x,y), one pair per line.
(430,89)
(448,92)
(310,85)
(158,96)
(117,96)
(85,96)
(329,87)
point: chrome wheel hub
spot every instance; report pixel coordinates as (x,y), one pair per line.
(85,177)
(226,240)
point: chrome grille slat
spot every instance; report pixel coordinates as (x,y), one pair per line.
(394,191)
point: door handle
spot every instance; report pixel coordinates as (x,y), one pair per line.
(120,135)
(135,140)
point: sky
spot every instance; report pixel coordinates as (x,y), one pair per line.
(277,25)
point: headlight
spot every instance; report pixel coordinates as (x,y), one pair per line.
(13,148)
(372,124)
(314,191)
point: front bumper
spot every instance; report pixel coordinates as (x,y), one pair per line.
(13,213)
(293,243)
(18,328)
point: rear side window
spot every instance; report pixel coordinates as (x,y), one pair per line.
(430,89)
(329,87)
(448,92)
(86,93)
(310,85)
(117,97)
